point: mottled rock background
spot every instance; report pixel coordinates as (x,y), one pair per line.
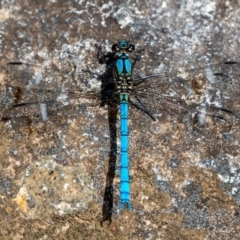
(55,175)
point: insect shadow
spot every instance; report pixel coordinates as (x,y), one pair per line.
(110,99)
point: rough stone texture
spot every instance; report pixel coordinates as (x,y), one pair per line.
(55,175)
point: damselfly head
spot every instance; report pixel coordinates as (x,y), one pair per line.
(123,46)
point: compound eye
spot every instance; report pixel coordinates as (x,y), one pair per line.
(131,48)
(115,48)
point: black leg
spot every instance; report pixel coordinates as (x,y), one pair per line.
(137,57)
(104,58)
(142,108)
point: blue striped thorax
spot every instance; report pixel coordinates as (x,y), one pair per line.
(123,64)
(122,71)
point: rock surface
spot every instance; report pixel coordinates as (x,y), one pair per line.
(56,175)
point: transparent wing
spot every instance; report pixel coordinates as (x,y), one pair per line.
(33,94)
(215,88)
(188,123)
(210,91)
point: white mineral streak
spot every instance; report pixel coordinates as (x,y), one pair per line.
(42,106)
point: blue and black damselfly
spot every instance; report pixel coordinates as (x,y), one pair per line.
(209,92)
